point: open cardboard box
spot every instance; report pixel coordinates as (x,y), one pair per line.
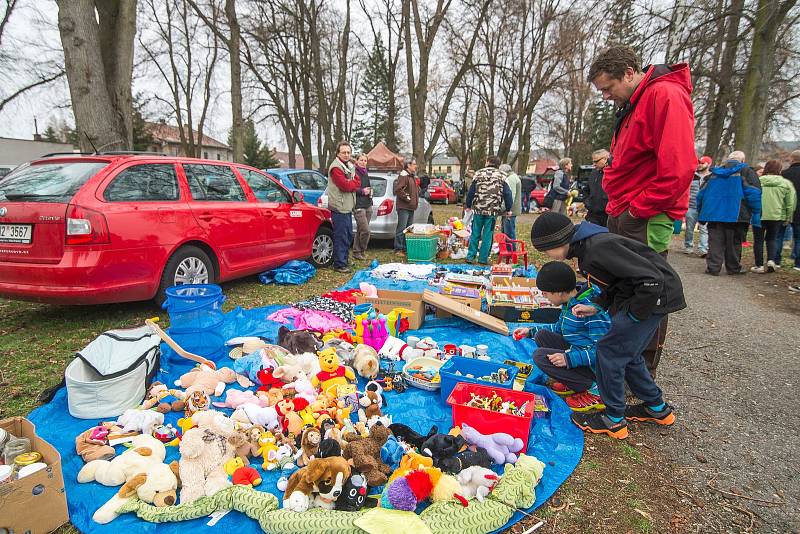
(36,503)
(521,313)
(460,309)
(389,299)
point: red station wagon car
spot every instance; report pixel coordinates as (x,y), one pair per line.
(439,190)
(91,229)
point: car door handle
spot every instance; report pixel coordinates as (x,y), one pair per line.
(268,214)
(206,216)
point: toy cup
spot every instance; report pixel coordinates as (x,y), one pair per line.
(412,341)
(481,350)
(467,351)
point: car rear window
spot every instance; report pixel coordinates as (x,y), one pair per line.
(308,180)
(436,183)
(378,186)
(48,182)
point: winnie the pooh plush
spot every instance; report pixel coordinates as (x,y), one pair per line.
(333,373)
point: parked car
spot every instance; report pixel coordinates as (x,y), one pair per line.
(119,227)
(311,183)
(441,191)
(537,197)
(580,181)
(383,223)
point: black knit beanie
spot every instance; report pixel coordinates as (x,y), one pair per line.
(556,277)
(551,230)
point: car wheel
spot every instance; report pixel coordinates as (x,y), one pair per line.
(188,265)
(322,248)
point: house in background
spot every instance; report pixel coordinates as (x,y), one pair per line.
(167,140)
(283,158)
(14,152)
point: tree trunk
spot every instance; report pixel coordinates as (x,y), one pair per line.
(99,62)
(234,44)
(760,69)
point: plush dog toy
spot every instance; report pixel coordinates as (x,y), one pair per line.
(477,482)
(502,447)
(440,446)
(332,373)
(145,452)
(252,413)
(204,450)
(371,403)
(409,435)
(318,484)
(462,460)
(157,486)
(366,362)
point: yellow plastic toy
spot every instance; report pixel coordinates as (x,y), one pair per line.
(268,450)
(333,373)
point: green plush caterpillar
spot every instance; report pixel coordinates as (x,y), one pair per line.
(515,488)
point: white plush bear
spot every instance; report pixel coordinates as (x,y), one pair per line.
(157,486)
(145,452)
(204,450)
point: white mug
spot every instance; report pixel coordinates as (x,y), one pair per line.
(481,350)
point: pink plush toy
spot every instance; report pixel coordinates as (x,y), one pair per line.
(235,398)
(501,447)
(303,389)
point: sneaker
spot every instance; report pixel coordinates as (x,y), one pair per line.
(585,401)
(560,389)
(757,269)
(796,269)
(794,289)
(687,251)
(640,412)
(702,254)
(599,423)
(343,269)
(771,266)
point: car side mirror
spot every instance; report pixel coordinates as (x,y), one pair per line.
(297,196)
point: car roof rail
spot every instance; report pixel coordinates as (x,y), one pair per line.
(129,152)
(51,154)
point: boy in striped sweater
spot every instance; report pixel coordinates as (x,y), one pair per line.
(566,348)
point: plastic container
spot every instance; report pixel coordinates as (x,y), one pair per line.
(420,248)
(487,421)
(196,317)
(429,363)
(474,367)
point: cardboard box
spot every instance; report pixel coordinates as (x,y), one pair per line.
(38,502)
(472,302)
(465,312)
(389,299)
(521,313)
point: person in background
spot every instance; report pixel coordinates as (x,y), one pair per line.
(468,177)
(721,201)
(424,182)
(561,185)
(528,185)
(488,197)
(363,209)
(515,184)
(698,180)
(597,200)
(778,201)
(792,173)
(342,188)
(406,191)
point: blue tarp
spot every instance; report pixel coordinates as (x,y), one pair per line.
(554,439)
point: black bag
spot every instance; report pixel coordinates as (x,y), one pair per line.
(550,197)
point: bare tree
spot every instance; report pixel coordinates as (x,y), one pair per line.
(97,37)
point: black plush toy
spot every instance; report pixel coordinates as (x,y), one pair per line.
(354,494)
(462,460)
(329,447)
(441,446)
(409,435)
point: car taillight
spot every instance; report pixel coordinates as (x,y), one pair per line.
(85,226)
(386,207)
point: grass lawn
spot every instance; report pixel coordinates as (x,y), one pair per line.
(616,488)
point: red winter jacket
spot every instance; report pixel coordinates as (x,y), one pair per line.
(653,154)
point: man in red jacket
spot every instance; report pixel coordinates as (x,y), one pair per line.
(652,152)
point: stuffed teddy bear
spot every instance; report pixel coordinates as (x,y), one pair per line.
(332,373)
(241,474)
(157,486)
(502,447)
(289,372)
(144,452)
(158,397)
(307,361)
(266,416)
(318,484)
(476,481)
(236,397)
(245,440)
(365,455)
(209,381)
(366,362)
(309,446)
(270,397)
(204,450)
(143,421)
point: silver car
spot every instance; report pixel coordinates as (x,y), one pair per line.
(383,223)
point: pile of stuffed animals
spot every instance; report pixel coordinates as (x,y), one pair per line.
(305,419)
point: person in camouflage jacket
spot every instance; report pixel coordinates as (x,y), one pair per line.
(488,197)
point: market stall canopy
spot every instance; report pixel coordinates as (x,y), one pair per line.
(381,158)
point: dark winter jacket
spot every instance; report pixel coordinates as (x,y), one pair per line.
(722,197)
(751,178)
(596,199)
(634,279)
(407,191)
(793,175)
(561,184)
(362,200)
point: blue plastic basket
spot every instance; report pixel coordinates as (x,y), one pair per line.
(196,317)
(475,368)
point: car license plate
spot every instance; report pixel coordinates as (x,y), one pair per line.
(15,233)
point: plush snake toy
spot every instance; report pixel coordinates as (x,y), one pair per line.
(515,489)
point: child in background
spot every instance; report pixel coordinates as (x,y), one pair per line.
(566,348)
(640,287)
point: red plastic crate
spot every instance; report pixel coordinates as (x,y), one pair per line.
(487,421)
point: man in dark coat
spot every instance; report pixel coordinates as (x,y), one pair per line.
(792,173)
(596,199)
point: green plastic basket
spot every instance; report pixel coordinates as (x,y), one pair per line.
(421,248)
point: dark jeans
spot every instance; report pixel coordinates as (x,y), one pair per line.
(767,233)
(597,217)
(795,248)
(526,202)
(342,237)
(619,360)
(577,379)
(404,220)
(510,228)
(725,246)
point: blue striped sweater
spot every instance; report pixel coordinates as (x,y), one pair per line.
(582,333)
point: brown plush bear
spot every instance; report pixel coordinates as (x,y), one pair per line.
(364,454)
(245,440)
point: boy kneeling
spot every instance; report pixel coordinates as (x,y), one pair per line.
(566,348)
(640,287)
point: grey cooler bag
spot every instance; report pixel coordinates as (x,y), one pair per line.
(112,373)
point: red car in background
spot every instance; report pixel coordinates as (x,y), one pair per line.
(439,190)
(537,197)
(101,228)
